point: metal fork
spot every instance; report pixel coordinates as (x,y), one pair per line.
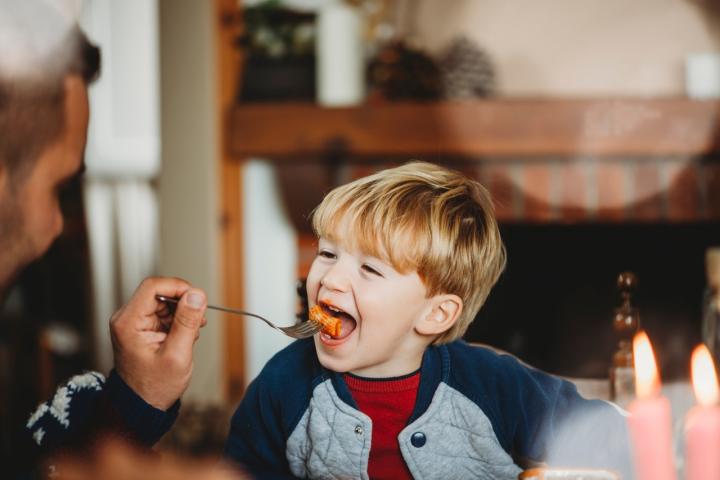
(301,330)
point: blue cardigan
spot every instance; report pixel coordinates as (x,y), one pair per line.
(478,414)
(83,410)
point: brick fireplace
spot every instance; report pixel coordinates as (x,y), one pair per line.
(645,190)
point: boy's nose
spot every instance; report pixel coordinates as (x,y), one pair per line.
(334,279)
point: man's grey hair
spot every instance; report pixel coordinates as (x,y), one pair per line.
(40,45)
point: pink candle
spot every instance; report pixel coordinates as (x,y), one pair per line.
(702,424)
(650,421)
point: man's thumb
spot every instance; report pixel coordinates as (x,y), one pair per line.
(188,318)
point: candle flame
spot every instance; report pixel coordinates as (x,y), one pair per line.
(647,380)
(704,378)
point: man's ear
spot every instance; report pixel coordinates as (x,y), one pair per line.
(445,310)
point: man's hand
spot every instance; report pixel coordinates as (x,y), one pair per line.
(152,345)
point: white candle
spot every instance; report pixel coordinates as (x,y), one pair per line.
(339,55)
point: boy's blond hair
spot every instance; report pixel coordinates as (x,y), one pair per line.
(427,218)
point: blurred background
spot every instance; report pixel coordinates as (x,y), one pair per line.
(216,127)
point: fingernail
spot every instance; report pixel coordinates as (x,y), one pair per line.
(195,300)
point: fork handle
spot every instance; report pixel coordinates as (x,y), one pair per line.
(174,301)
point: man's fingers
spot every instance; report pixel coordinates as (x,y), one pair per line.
(143,309)
(202,324)
(154,337)
(186,322)
(144,300)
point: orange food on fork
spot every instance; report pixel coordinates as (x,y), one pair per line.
(330,325)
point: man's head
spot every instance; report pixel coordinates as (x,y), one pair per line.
(432,233)
(43,126)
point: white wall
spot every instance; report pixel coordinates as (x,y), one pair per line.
(188,181)
(123,136)
(189,196)
(270,264)
(122,157)
(575,47)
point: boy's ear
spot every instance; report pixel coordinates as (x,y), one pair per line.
(445,311)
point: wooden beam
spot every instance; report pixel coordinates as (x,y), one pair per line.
(228,61)
(498,127)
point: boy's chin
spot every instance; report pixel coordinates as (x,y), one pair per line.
(331,362)
(334,366)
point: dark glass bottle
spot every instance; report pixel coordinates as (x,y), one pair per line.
(625,324)
(711,303)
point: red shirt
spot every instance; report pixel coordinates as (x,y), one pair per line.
(389,403)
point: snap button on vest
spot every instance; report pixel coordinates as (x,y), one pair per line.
(418,439)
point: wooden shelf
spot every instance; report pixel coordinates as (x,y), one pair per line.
(502,127)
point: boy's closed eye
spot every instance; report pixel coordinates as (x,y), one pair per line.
(372,270)
(326,254)
(329,255)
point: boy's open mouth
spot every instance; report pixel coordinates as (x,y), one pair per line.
(347,321)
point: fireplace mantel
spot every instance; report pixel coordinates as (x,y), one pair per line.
(481,128)
(544,160)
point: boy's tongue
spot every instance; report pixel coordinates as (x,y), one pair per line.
(348,324)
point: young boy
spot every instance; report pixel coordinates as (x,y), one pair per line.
(406,258)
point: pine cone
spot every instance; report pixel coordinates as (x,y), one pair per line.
(401,72)
(466,71)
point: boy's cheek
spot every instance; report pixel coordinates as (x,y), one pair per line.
(311,285)
(311,290)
